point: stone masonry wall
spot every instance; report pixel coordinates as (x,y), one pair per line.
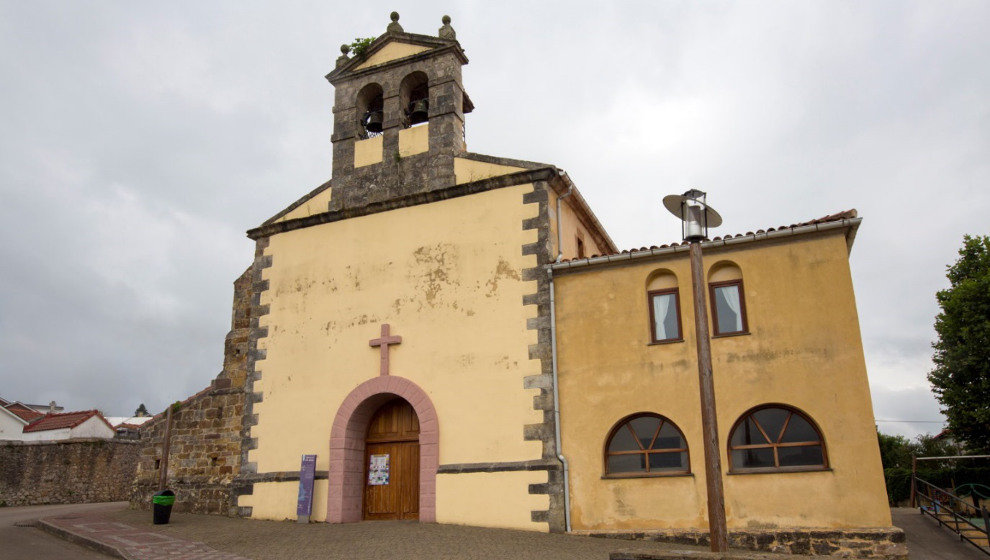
(66,472)
(887,543)
(207,431)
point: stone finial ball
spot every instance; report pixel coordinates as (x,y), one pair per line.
(394,16)
(445,20)
(345,49)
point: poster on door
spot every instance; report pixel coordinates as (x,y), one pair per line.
(378,470)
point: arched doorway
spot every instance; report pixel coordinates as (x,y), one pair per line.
(348,468)
(391,489)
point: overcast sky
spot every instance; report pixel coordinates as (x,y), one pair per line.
(138,141)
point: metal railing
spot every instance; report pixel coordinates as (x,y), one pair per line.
(939,503)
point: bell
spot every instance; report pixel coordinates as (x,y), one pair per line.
(419,111)
(373,121)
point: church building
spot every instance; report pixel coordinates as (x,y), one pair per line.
(457,339)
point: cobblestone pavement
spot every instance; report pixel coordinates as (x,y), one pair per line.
(391,540)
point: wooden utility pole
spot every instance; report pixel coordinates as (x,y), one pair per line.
(166,443)
(709,425)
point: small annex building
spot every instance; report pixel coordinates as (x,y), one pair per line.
(15,416)
(463,324)
(56,426)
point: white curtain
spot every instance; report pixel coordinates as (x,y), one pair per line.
(661,304)
(731,295)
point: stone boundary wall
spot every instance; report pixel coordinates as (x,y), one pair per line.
(66,472)
(208,431)
(204,458)
(887,543)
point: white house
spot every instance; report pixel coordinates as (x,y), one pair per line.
(126,427)
(11,425)
(68,425)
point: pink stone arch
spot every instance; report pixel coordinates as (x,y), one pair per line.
(347,446)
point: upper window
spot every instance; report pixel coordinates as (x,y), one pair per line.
(664,303)
(728,307)
(646,445)
(665,315)
(776,438)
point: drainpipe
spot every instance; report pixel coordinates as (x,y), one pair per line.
(556,400)
(553,347)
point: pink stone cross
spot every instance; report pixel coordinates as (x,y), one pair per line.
(383,342)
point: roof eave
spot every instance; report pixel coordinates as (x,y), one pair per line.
(12,415)
(851,223)
(436,46)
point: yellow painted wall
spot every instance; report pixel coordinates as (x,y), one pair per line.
(804,350)
(571,227)
(390,52)
(414,140)
(447,277)
(368,151)
(278,500)
(479,499)
(469,170)
(318,204)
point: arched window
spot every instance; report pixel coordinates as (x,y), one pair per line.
(664,300)
(370,110)
(728,302)
(414,94)
(645,444)
(776,437)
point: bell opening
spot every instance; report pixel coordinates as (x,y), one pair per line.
(370,105)
(414,94)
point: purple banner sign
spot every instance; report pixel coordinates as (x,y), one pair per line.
(304,506)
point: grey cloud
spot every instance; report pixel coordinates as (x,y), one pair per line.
(140,141)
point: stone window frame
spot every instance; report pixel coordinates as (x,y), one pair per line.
(625,422)
(775,445)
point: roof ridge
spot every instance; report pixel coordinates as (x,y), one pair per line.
(53,414)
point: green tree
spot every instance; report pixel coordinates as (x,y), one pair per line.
(961,377)
(895,451)
(141,411)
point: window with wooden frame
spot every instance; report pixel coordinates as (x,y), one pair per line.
(580,247)
(665,315)
(645,444)
(728,304)
(776,437)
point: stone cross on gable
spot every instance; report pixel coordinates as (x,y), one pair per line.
(383,342)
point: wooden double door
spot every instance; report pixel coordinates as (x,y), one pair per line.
(391,481)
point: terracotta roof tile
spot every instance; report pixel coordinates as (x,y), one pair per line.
(837,217)
(23,412)
(63,420)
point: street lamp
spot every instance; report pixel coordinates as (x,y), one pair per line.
(696,217)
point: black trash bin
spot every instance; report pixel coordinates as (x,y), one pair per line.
(161,505)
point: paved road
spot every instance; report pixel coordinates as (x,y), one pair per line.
(267,540)
(28,543)
(927,541)
(378,540)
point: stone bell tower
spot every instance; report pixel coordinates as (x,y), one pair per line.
(398,117)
